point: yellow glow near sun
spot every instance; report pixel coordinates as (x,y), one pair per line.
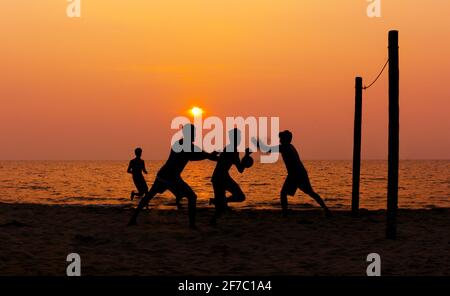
(196,111)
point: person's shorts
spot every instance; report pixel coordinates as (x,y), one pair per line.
(292,183)
(178,187)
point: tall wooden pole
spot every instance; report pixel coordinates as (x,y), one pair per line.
(357,146)
(393,157)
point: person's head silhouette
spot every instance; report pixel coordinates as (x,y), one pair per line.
(189,132)
(138,152)
(285,137)
(235,138)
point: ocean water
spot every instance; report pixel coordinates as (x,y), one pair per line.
(422,184)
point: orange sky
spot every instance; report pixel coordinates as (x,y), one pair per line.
(96,87)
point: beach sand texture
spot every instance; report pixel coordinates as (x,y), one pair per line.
(35,240)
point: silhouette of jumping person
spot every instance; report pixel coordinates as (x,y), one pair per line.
(136,168)
(221,178)
(297,177)
(169,175)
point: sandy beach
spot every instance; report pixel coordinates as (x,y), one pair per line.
(35,240)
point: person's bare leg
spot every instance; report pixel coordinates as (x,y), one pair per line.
(320,201)
(284,204)
(142,203)
(218,211)
(192,206)
(178,202)
(219,202)
(236,197)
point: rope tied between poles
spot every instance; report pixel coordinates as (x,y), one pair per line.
(381,72)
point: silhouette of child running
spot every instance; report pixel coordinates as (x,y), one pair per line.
(136,168)
(297,175)
(221,178)
(169,176)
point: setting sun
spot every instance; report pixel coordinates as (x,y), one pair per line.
(196,111)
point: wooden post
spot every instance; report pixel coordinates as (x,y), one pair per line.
(357,146)
(393,157)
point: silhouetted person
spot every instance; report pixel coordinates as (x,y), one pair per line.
(221,178)
(136,168)
(169,176)
(297,175)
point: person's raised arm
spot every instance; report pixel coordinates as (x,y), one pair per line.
(202,155)
(144,169)
(263,147)
(129,170)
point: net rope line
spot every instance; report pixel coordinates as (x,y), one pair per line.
(381,72)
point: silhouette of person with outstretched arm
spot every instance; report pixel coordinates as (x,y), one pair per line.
(169,175)
(136,167)
(221,178)
(297,177)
